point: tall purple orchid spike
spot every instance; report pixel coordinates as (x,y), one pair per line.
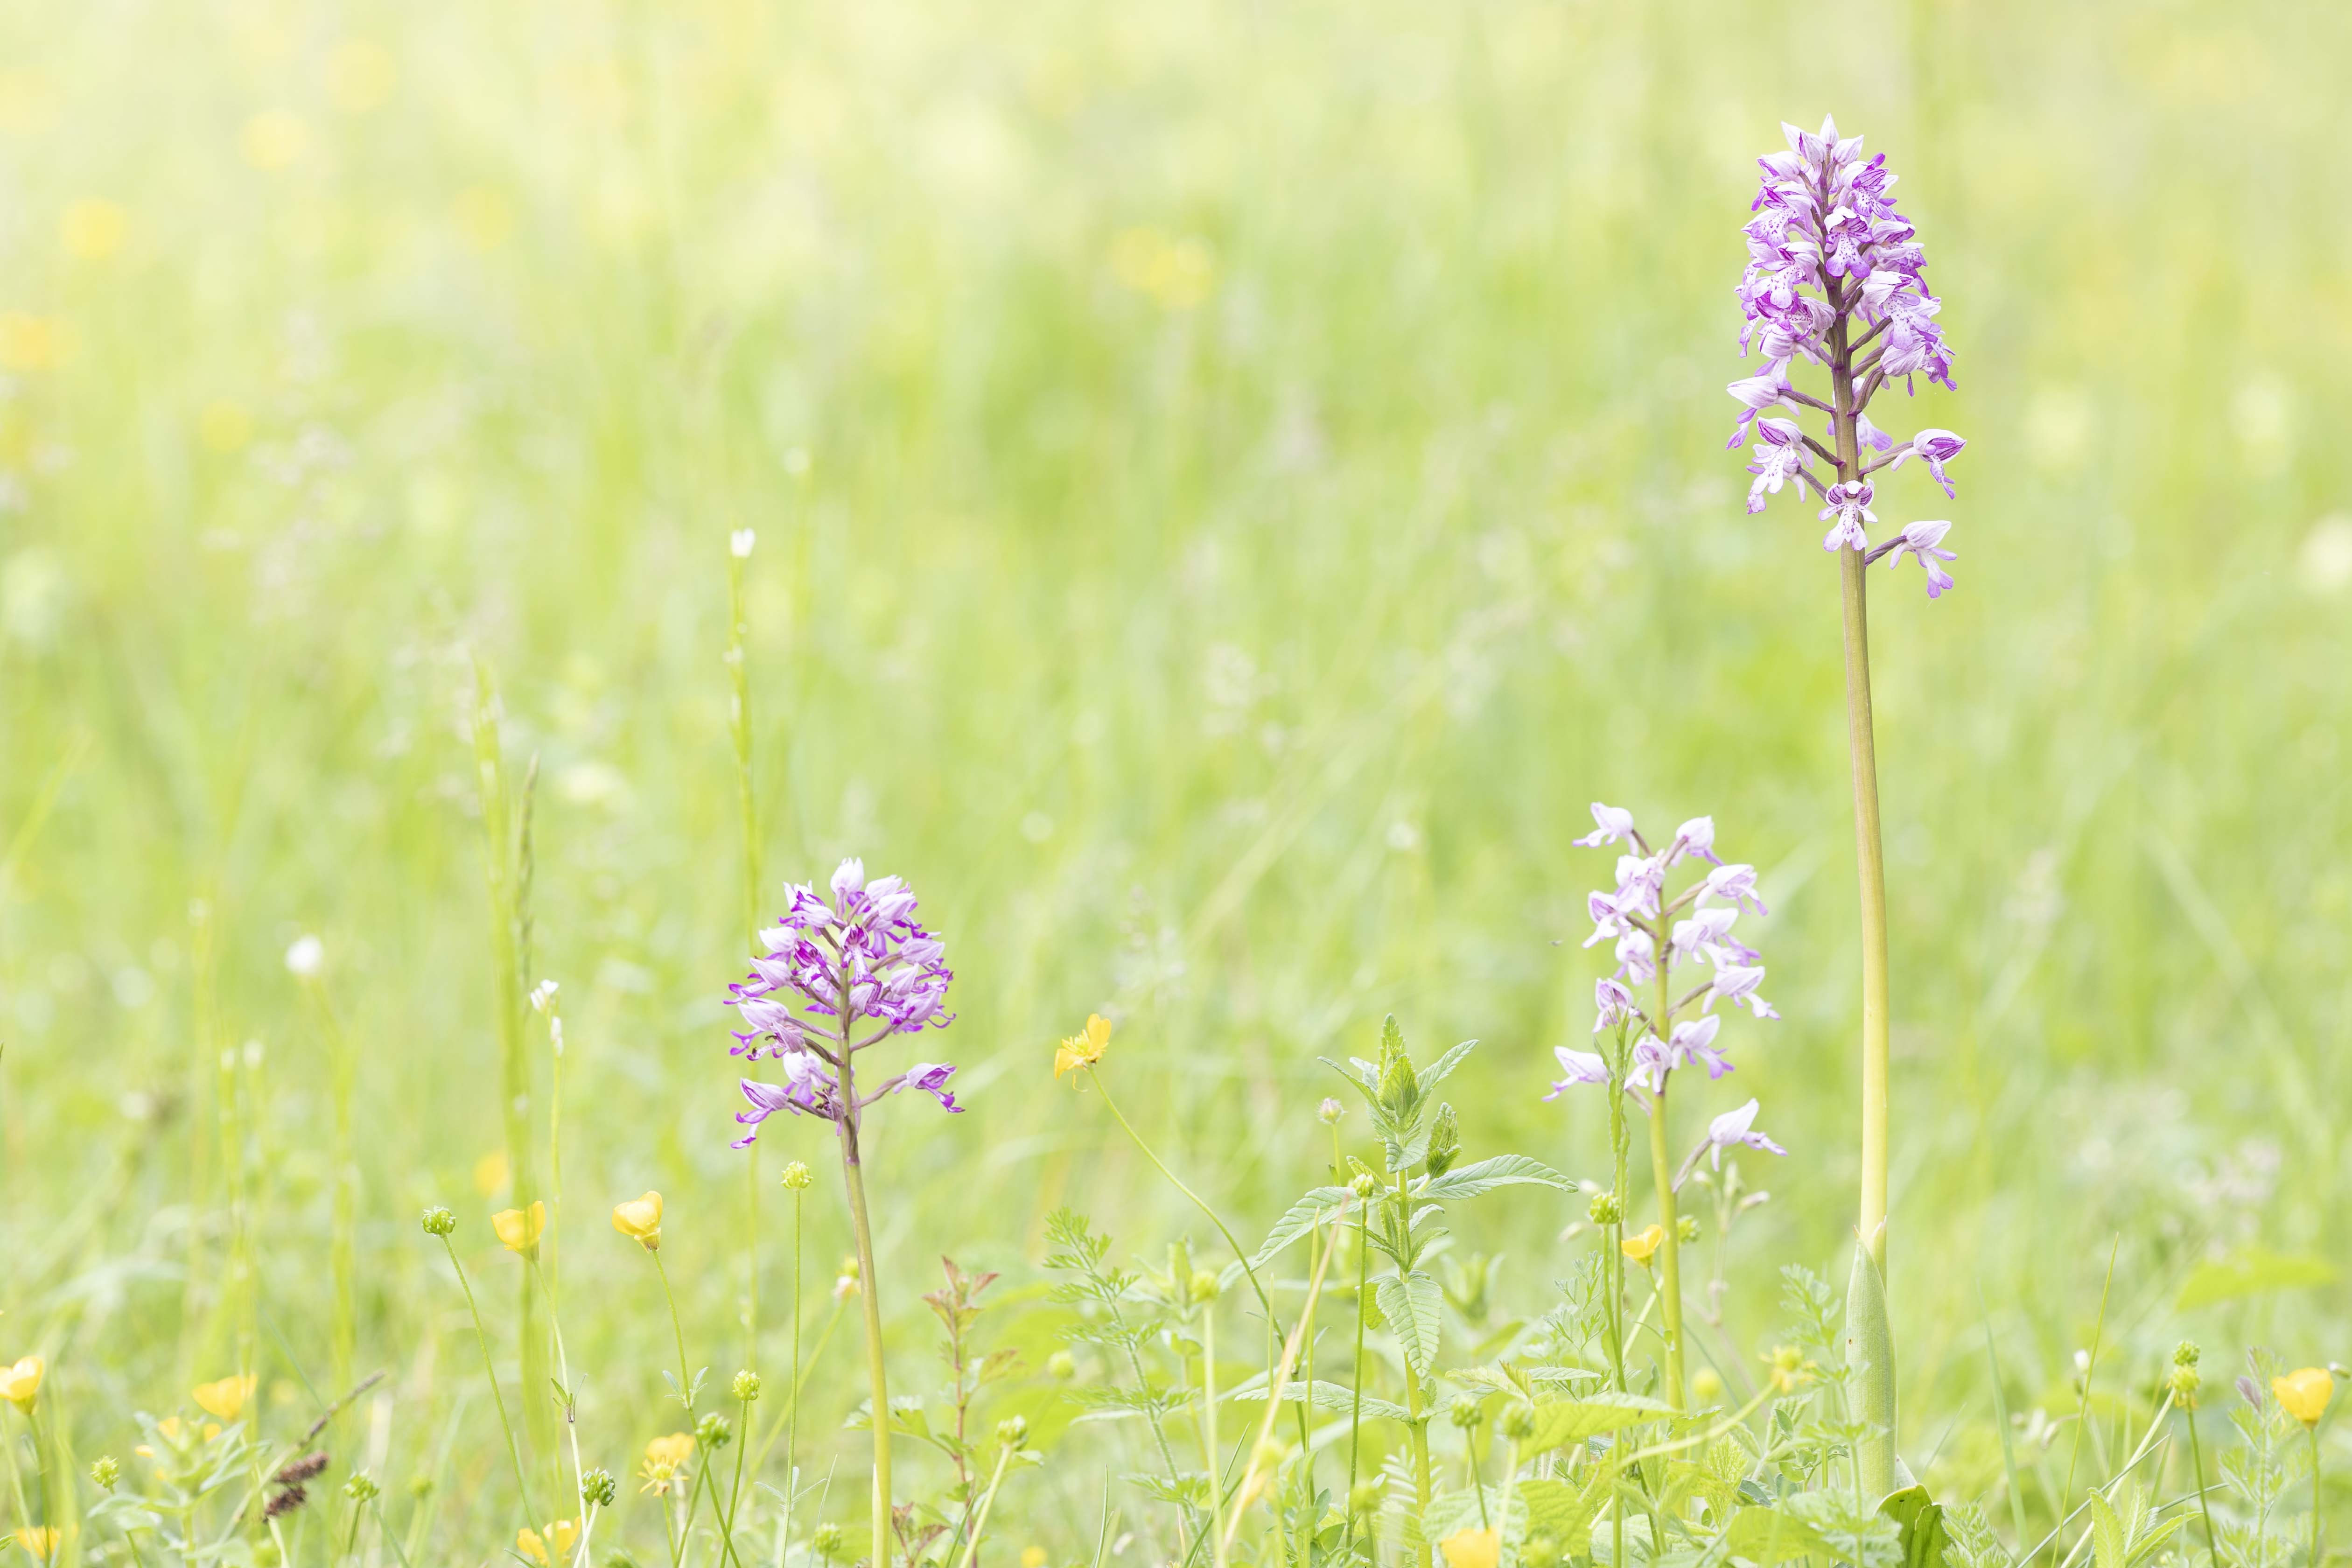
(1836,277)
(858,959)
(1654,936)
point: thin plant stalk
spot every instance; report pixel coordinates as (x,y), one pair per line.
(343,1249)
(1356,1407)
(570,1424)
(2311,1430)
(685,1387)
(1209,1427)
(980,1520)
(1419,1429)
(739,631)
(1275,1388)
(1662,1168)
(2197,1466)
(482,1337)
(2090,1370)
(793,1410)
(876,1369)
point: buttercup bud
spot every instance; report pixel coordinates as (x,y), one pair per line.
(1464,1412)
(1687,1228)
(1605,1209)
(2185,1354)
(1364,1497)
(797,1177)
(746,1387)
(1364,1186)
(1518,1422)
(1329,1111)
(1205,1286)
(598,1487)
(714,1431)
(360,1489)
(828,1541)
(105,1472)
(439,1222)
(1061,1366)
(2184,1384)
(1012,1431)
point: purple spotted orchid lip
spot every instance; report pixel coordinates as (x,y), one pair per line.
(841,973)
(1836,277)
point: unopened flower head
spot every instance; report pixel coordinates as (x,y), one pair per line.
(1836,277)
(797,1176)
(839,961)
(746,1387)
(438,1222)
(640,1220)
(518,1230)
(20,1383)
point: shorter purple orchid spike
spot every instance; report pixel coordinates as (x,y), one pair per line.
(1734,1128)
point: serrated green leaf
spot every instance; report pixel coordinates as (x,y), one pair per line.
(2108,1538)
(1336,1396)
(1766,1536)
(1502,1171)
(1436,1073)
(1303,1217)
(1410,1305)
(1922,1523)
(1565,1513)
(1563,1421)
(1451,1512)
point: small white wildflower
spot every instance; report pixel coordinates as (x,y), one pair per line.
(740,542)
(306,956)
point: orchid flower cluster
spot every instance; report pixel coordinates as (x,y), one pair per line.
(1833,268)
(1668,1036)
(861,956)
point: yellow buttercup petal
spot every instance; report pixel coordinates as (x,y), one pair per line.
(1641,1247)
(1084,1048)
(21,1382)
(1473,1549)
(226,1398)
(2305,1395)
(640,1220)
(519,1229)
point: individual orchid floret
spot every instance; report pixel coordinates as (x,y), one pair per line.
(1756,394)
(1735,1128)
(1708,932)
(1577,1067)
(1849,504)
(1922,540)
(1612,824)
(1637,958)
(1780,456)
(1695,836)
(931,1078)
(1736,984)
(1612,1004)
(1735,885)
(1935,448)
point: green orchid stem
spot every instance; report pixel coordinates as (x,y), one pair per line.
(1875,1457)
(481,1337)
(1670,1272)
(739,632)
(877,1373)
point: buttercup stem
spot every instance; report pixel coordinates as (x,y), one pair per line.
(1356,1410)
(1209,1427)
(1419,1429)
(2312,1431)
(685,1386)
(482,1338)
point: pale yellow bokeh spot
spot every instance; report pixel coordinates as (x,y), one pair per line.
(224,425)
(93,228)
(29,343)
(1177,273)
(1033,1557)
(29,102)
(361,76)
(490,1173)
(483,217)
(274,139)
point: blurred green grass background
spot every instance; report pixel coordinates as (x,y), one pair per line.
(1231,482)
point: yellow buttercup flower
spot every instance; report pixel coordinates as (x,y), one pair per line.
(41,1541)
(1473,1549)
(639,1219)
(1641,1247)
(20,1383)
(520,1229)
(664,1458)
(555,1539)
(1085,1047)
(2305,1395)
(1033,1557)
(224,1398)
